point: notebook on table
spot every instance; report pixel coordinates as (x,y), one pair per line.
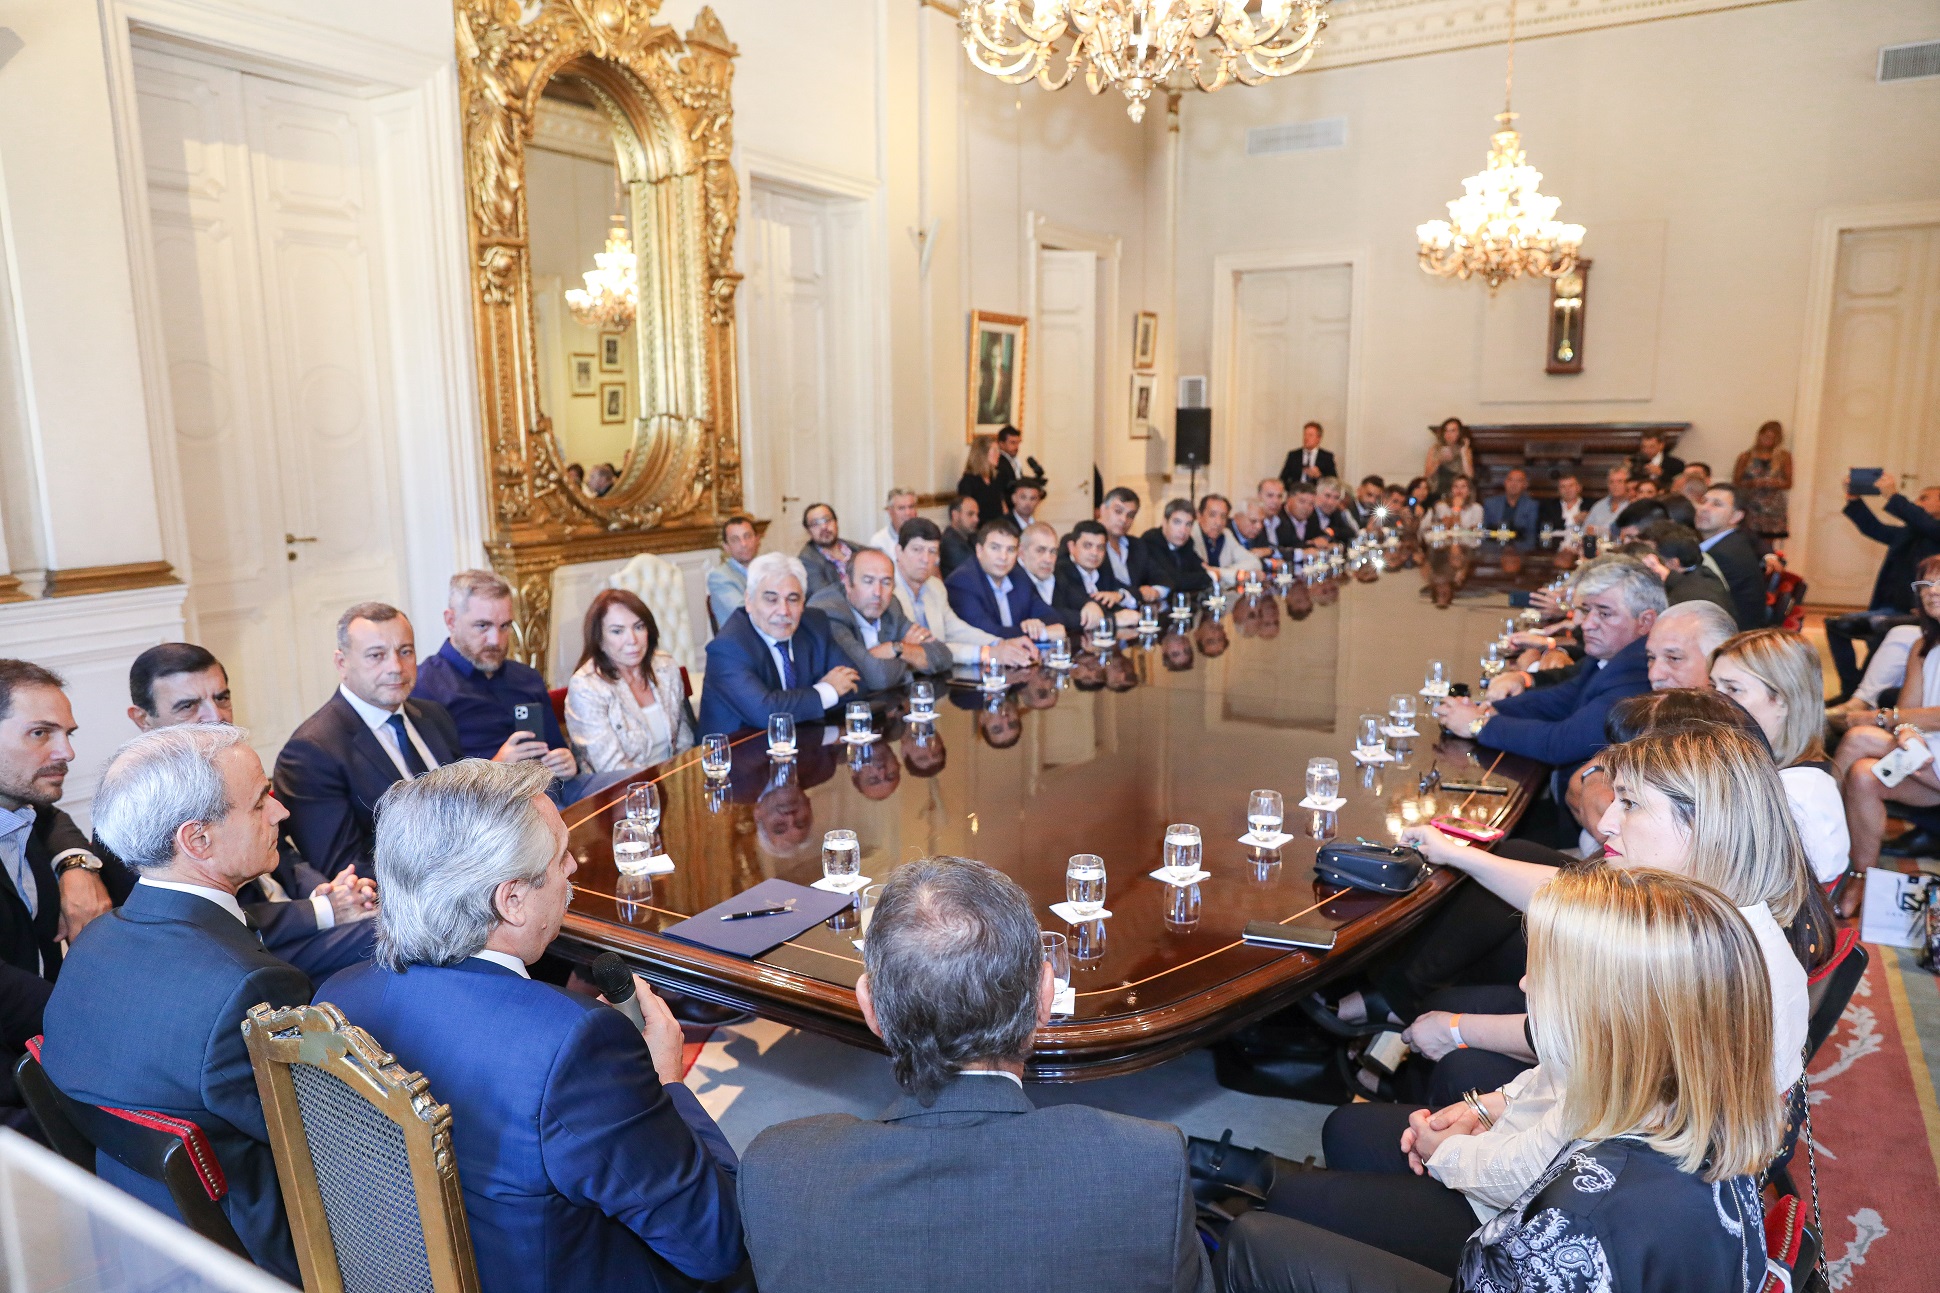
(759,934)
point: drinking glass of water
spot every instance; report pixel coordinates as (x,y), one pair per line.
(781,736)
(1492,660)
(993,670)
(1148,617)
(1401,711)
(632,845)
(1182,606)
(1061,653)
(1183,849)
(1265,812)
(1436,682)
(922,698)
(643,803)
(865,906)
(857,713)
(1323,780)
(1368,740)
(1058,953)
(1084,884)
(716,758)
(841,856)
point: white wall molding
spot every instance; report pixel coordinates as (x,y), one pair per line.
(1821,284)
(1373,31)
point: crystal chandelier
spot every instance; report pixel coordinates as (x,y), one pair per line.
(608,301)
(1137,45)
(1501,227)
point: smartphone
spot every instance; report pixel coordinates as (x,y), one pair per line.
(1519,598)
(1266,933)
(1902,763)
(530,719)
(1863,480)
(1458,689)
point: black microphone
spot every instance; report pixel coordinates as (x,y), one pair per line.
(615,983)
(1037,468)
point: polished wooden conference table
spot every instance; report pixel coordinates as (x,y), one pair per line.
(1098,760)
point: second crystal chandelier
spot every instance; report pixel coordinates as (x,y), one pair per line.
(1137,45)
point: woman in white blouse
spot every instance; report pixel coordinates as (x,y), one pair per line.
(625,706)
(1458,508)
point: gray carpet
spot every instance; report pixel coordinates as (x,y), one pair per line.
(761,1073)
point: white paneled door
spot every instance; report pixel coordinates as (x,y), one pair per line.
(1063,433)
(1882,395)
(268,270)
(1289,365)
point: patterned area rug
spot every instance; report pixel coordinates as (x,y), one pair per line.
(1876,1124)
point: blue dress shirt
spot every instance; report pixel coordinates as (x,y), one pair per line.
(481,703)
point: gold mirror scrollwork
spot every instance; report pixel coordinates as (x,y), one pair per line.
(667,98)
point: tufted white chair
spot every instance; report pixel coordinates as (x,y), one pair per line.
(659,583)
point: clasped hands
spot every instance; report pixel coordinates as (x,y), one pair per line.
(1427,1131)
(1460,715)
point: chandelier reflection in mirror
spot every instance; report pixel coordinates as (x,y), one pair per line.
(1138,45)
(1502,227)
(610,298)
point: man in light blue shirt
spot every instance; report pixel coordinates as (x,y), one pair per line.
(727,583)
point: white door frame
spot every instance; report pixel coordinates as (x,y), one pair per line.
(1113,419)
(1226,272)
(1821,287)
(868,198)
(420,205)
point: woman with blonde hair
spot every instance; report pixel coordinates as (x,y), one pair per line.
(1777,676)
(1458,507)
(1649,995)
(979,479)
(1764,475)
(1450,456)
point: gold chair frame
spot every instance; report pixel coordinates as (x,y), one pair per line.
(321,1037)
(668,98)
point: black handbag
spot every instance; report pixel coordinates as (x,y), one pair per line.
(1363,864)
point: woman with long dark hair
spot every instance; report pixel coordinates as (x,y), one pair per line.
(626,706)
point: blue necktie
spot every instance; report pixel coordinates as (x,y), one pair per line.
(412,763)
(788,680)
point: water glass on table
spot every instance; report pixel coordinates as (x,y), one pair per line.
(1148,617)
(1401,711)
(841,856)
(1266,811)
(857,714)
(1058,954)
(643,804)
(716,757)
(1060,654)
(922,698)
(1369,743)
(1183,849)
(781,736)
(993,671)
(632,845)
(1323,780)
(1435,683)
(1084,885)
(865,906)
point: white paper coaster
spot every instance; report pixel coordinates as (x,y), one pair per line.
(867,738)
(1391,730)
(1273,841)
(1066,1002)
(1323,805)
(841,883)
(1365,759)
(1166,877)
(1064,912)
(658,864)
(1435,693)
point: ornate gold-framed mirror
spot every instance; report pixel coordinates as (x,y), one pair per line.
(587,115)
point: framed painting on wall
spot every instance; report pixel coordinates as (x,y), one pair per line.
(612,402)
(610,352)
(1144,396)
(1145,342)
(585,374)
(999,347)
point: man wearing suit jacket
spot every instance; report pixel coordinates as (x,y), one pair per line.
(826,555)
(1223,552)
(1126,558)
(1037,561)
(371,733)
(52,883)
(927,602)
(1010,466)
(1720,522)
(1309,462)
(1304,526)
(964,1182)
(1273,535)
(320,926)
(586,1165)
(773,656)
(1515,507)
(149,1007)
(1174,563)
(1330,509)
(1655,462)
(990,594)
(871,629)
(966,515)
(1085,578)
(1562,725)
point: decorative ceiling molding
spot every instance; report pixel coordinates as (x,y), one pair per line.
(1374,31)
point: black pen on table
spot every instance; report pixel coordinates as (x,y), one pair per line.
(782,910)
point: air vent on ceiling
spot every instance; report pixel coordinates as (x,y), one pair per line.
(1192,392)
(1297,137)
(1909,62)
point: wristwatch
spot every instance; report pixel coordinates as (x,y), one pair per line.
(76,860)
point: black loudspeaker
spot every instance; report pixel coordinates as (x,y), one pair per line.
(1192,438)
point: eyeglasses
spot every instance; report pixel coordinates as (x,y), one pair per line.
(1920,586)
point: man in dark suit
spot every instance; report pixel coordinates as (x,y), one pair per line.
(371,733)
(149,1007)
(1515,508)
(1916,538)
(871,629)
(1010,467)
(1273,535)
(1126,558)
(1085,577)
(586,1164)
(1037,561)
(966,516)
(1655,462)
(1304,527)
(1174,561)
(1679,562)
(774,655)
(1330,509)
(1562,725)
(52,883)
(1309,462)
(952,1176)
(318,925)
(1720,522)
(989,594)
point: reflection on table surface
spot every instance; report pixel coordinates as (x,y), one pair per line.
(1173,727)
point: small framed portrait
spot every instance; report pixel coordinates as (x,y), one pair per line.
(1144,396)
(612,402)
(585,374)
(610,352)
(998,351)
(1145,342)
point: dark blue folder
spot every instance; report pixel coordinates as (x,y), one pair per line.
(759,934)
